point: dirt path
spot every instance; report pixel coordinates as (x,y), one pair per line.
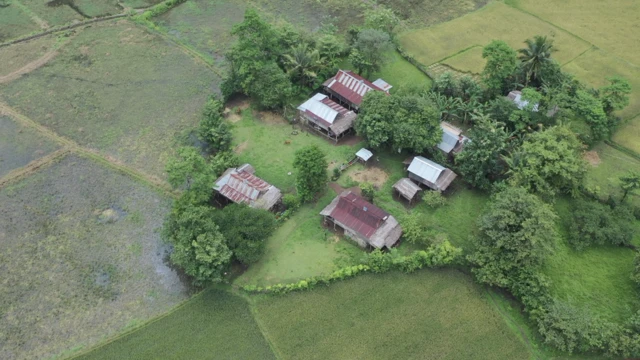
(35,18)
(72,146)
(29,67)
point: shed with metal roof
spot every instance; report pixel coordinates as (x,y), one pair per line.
(363,222)
(240,185)
(433,175)
(407,189)
(452,139)
(326,116)
(349,88)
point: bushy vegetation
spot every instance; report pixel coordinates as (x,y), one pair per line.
(594,223)
(311,177)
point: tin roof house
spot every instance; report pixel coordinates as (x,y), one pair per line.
(435,176)
(452,139)
(326,116)
(363,222)
(349,88)
(240,185)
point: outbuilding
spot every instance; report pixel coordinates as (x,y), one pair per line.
(407,189)
(452,139)
(326,117)
(240,185)
(363,222)
(427,172)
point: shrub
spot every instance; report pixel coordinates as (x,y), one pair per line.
(367,191)
(415,230)
(594,223)
(635,275)
(336,173)
(433,199)
(291,202)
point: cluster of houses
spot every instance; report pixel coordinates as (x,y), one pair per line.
(333,114)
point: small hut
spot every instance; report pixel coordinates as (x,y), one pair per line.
(363,155)
(326,117)
(240,185)
(407,189)
(452,139)
(435,176)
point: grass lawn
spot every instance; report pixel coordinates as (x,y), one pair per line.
(212,325)
(494,21)
(262,143)
(629,134)
(607,173)
(596,279)
(301,248)
(15,23)
(82,259)
(20,145)
(117,89)
(436,314)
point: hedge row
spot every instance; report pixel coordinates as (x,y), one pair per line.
(375,262)
(157,10)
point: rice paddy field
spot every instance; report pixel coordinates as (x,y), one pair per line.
(437,314)
(15,22)
(19,55)
(20,145)
(81,259)
(119,90)
(212,325)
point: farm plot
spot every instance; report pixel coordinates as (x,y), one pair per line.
(212,325)
(82,259)
(609,25)
(17,56)
(117,89)
(495,21)
(53,13)
(15,22)
(20,145)
(301,248)
(439,314)
(206,25)
(470,60)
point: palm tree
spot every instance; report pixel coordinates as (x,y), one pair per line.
(302,63)
(535,56)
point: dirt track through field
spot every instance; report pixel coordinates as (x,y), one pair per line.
(32,167)
(28,68)
(71,145)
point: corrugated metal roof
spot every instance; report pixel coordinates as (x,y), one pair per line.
(358,214)
(241,186)
(364,154)
(382,85)
(425,168)
(350,86)
(449,141)
(407,188)
(317,107)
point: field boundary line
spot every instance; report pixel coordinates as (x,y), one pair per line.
(29,67)
(62,28)
(90,153)
(456,54)
(254,312)
(32,167)
(592,48)
(35,18)
(138,326)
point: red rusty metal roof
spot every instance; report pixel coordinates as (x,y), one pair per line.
(350,86)
(241,186)
(335,106)
(358,214)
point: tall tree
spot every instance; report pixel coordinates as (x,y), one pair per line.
(381,18)
(535,56)
(370,51)
(198,246)
(480,162)
(615,96)
(311,172)
(501,66)
(245,230)
(589,108)
(400,121)
(302,63)
(548,162)
(190,170)
(629,183)
(213,129)
(517,233)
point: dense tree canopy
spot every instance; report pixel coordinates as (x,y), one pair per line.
(198,246)
(517,232)
(481,161)
(594,223)
(399,121)
(370,51)
(213,129)
(191,170)
(245,230)
(615,96)
(548,162)
(500,68)
(311,172)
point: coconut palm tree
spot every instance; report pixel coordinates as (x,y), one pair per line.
(535,56)
(302,63)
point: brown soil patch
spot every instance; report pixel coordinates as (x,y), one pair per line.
(339,189)
(271,118)
(373,175)
(592,157)
(241,147)
(231,112)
